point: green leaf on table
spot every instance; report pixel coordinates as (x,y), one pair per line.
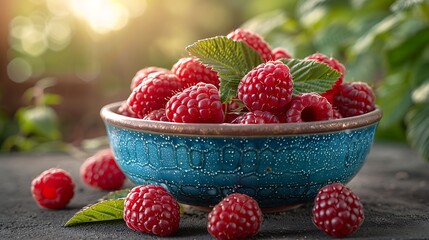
(418,129)
(231,59)
(310,76)
(116,195)
(102,211)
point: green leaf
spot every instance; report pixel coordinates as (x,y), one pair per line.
(418,129)
(231,59)
(102,211)
(310,76)
(394,98)
(265,23)
(116,194)
(403,5)
(409,49)
(41,121)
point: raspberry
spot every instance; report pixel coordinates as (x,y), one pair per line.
(234,109)
(143,73)
(101,171)
(354,99)
(197,104)
(256,117)
(334,64)
(267,87)
(279,53)
(157,115)
(254,41)
(309,107)
(337,210)
(125,110)
(336,114)
(53,188)
(191,71)
(237,216)
(153,93)
(151,209)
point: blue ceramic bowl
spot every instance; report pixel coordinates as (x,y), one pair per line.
(280,165)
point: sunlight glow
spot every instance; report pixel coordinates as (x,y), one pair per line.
(104,16)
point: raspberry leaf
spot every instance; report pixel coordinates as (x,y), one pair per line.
(418,128)
(101,211)
(231,59)
(116,194)
(310,76)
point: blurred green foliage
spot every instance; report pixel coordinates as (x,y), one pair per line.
(35,126)
(383,42)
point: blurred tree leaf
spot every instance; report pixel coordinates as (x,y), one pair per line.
(364,42)
(51,99)
(41,121)
(409,48)
(402,5)
(418,128)
(265,23)
(421,94)
(394,96)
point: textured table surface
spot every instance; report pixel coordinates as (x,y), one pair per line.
(393,186)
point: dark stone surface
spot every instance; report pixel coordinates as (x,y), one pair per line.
(393,186)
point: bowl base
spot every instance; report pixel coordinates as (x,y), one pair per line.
(191,209)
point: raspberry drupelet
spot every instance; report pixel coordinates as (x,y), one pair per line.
(153,93)
(101,171)
(309,107)
(197,104)
(254,41)
(53,188)
(337,210)
(237,216)
(256,117)
(151,209)
(191,71)
(355,98)
(267,87)
(144,73)
(334,64)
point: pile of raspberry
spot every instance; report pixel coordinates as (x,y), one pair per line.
(189,92)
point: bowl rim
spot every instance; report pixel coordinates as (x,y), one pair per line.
(109,116)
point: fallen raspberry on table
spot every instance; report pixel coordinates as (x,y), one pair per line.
(355,98)
(157,115)
(53,188)
(279,53)
(334,64)
(101,171)
(144,73)
(309,107)
(254,41)
(267,87)
(197,104)
(337,210)
(191,71)
(256,117)
(153,93)
(237,216)
(151,209)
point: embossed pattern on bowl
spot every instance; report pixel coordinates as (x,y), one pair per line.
(279,165)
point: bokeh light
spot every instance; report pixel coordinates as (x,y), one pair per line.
(104,16)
